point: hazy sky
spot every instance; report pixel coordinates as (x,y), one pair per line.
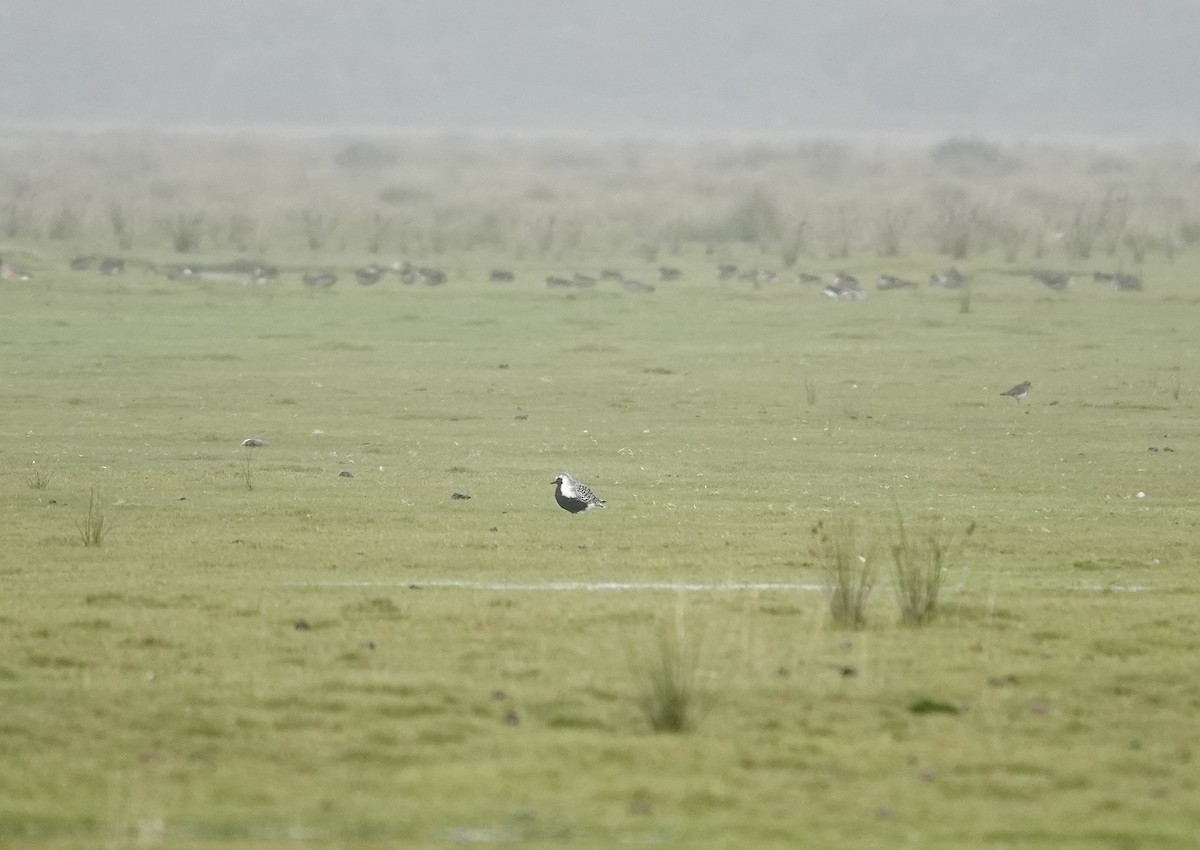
(618,66)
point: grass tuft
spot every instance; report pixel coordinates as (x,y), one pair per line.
(810,390)
(38,477)
(920,569)
(93,526)
(849,575)
(671,696)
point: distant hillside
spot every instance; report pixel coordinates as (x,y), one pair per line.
(1072,66)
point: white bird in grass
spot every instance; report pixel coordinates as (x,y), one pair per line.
(574,496)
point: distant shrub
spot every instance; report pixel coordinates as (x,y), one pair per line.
(243,233)
(364,155)
(120,220)
(840,227)
(318,227)
(795,246)
(954,223)
(186,231)
(399,194)
(755,218)
(1189,232)
(65,223)
(890,228)
(18,221)
(972,157)
(377,229)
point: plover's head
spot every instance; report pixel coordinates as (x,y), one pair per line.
(564,478)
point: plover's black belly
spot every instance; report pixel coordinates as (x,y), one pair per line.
(572,505)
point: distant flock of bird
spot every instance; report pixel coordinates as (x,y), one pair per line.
(841,287)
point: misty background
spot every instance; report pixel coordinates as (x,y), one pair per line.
(1069,67)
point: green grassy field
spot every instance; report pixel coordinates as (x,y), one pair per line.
(261,652)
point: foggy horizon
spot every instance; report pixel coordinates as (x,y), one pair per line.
(664,69)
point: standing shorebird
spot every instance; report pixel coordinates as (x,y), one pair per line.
(1018,392)
(573,495)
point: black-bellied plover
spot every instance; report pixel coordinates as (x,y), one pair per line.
(845,287)
(1058,281)
(574,496)
(951,278)
(888,281)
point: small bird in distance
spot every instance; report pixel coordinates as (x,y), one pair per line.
(1018,392)
(574,496)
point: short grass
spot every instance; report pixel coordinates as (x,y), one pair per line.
(286,665)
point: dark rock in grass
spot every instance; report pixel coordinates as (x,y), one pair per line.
(345,473)
(301,626)
(499,694)
(848,671)
(512,718)
(459,496)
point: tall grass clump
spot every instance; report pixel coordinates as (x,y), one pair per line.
(38,477)
(810,389)
(1175,387)
(671,696)
(849,574)
(921,561)
(93,526)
